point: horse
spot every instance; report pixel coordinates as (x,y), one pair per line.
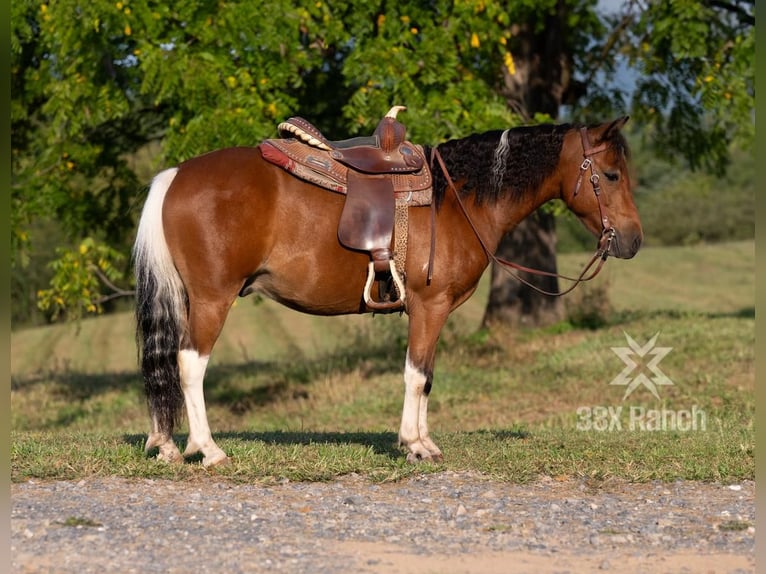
(228,223)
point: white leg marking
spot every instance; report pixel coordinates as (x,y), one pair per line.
(430,445)
(414,382)
(192,369)
(168,451)
(413,433)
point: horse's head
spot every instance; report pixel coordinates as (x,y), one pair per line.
(596,186)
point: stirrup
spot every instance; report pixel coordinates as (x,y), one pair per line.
(398,283)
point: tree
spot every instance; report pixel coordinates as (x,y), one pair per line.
(545,44)
(694,98)
(96,83)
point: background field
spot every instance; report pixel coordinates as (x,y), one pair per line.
(303,397)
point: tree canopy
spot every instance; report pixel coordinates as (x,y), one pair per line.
(93,83)
(696,87)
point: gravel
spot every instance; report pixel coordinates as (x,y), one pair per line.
(445,522)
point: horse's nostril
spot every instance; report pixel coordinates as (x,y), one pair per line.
(636,244)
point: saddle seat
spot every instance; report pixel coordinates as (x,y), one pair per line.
(376,173)
(384,152)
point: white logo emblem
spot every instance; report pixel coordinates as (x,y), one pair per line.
(653,357)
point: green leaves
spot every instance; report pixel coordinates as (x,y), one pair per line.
(78,281)
(441,60)
(97,84)
(698,77)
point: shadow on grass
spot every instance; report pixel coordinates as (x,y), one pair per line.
(246,386)
(264,381)
(632,315)
(382,443)
(505,434)
(76,385)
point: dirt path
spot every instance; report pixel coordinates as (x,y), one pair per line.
(447,523)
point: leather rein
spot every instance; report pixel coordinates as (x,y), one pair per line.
(602,248)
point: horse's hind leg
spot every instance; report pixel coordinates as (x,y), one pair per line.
(205,323)
(167,449)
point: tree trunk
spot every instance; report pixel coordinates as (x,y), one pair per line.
(511,302)
(541,82)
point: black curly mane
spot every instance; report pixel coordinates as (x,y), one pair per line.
(531,155)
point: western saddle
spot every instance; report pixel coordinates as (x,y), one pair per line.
(381,175)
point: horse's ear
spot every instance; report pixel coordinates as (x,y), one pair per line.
(617,124)
(613,127)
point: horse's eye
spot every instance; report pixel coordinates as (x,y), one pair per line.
(612,175)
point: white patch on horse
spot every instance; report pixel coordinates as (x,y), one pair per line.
(168,451)
(413,432)
(192,368)
(414,383)
(500,161)
(151,251)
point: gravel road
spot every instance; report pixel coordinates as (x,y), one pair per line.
(442,523)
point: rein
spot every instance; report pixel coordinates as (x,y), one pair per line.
(602,248)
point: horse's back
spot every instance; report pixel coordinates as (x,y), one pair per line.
(233,190)
(227,167)
(233,219)
(226,185)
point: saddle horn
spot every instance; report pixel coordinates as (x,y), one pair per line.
(391,133)
(395,110)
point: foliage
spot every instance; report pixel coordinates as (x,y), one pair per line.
(78,276)
(94,83)
(714,210)
(694,64)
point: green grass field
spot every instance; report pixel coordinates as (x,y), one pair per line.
(308,398)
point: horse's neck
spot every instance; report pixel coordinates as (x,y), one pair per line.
(494,219)
(516,210)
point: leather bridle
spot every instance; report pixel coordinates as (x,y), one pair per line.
(608,232)
(587,164)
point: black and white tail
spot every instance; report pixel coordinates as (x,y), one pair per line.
(161,309)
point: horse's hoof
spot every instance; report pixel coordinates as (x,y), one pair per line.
(414,458)
(216,460)
(167,451)
(423,456)
(170,455)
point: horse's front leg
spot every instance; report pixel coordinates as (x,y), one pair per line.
(413,433)
(418,377)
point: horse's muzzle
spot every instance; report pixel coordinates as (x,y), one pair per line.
(626,245)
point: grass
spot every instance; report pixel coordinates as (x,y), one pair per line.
(77,522)
(308,398)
